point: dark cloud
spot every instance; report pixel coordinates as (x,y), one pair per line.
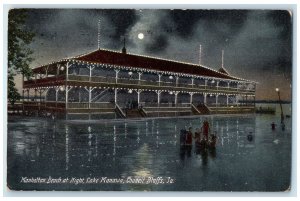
(159,44)
(122,20)
(185,21)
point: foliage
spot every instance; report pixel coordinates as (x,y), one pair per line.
(19,54)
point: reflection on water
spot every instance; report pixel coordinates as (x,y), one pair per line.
(249,156)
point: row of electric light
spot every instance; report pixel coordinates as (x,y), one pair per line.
(62,68)
(62,88)
(159,72)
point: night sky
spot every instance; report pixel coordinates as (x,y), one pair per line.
(257,43)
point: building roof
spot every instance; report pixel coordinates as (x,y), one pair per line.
(140,61)
(101,56)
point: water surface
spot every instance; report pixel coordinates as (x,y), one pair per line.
(149,148)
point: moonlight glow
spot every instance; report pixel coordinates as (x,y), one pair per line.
(141,36)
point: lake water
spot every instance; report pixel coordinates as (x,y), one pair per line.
(144,155)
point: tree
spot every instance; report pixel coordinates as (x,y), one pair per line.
(19,54)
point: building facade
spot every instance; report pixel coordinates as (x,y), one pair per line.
(110,84)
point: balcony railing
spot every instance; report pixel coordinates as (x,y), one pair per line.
(86,105)
(146,105)
(44,80)
(112,80)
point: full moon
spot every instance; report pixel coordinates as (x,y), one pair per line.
(141,36)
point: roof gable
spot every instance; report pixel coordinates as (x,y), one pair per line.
(138,61)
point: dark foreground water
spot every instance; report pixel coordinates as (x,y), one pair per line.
(144,155)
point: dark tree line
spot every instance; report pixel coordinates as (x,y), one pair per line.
(19,54)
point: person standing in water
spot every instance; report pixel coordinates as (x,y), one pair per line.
(197,137)
(205,129)
(189,137)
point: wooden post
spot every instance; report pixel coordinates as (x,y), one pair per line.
(139,94)
(116,95)
(117,73)
(67,95)
(56,95)
(140,75)
(158,97)
(159,78)
(191,97)
(227,100)
(176,95)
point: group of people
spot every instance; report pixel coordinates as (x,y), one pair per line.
(273,126)
(203,138)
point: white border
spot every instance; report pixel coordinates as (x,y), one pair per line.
(212,4)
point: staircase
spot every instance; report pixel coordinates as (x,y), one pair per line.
(100,96)
(203,109)
(133,113)
(143,112)
(119,112)
(195,110)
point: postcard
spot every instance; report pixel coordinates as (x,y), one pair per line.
(149,100)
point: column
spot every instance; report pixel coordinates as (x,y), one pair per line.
(116,95)
(117,73)
(205,84)
(40,91)
(67,95)
(40,102)
(139,95)
(91,68)
(140,75)
(177,78)
(67,71)
(227,100)
(159,78)
(57,69)
(204,98)
(193,82)
(218,85)
(79,95)
(176,95)
(56,96)
(90,96)
(35,95)
(158,97)
(191,97)
(217,100)
(46,92)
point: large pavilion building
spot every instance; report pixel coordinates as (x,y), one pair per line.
(111,84)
